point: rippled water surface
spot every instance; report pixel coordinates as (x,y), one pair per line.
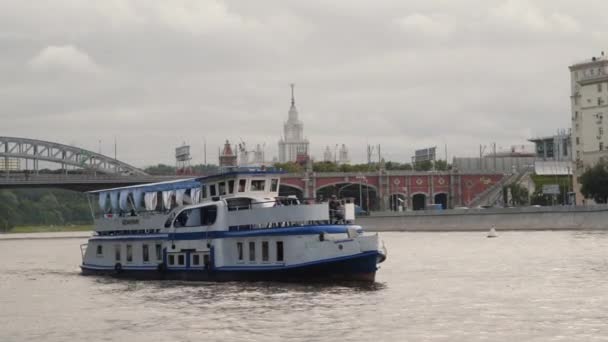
(522,286)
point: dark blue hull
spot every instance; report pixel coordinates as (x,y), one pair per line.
(361,267)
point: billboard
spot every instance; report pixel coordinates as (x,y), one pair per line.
(426,154)
(550,189)
(182,153)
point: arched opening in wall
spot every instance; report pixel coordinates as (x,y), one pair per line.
(419,202)
(288,190)
(397,202)
(364,196)
(442,199)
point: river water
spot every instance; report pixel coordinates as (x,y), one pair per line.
(521,286)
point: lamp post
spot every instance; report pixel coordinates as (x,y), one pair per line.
(361,177)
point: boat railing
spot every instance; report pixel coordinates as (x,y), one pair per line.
(282,216)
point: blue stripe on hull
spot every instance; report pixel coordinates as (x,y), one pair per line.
(361,267)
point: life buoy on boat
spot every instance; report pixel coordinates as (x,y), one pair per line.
(161,267)
(118,267)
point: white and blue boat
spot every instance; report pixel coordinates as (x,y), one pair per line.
(230,226)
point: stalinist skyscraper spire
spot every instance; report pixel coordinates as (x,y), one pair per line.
(293,144)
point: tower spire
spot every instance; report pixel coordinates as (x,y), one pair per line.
(293,100)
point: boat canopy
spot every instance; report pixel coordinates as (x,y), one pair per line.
(161,186)
(144,196)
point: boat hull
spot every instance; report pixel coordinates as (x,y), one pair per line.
(360,267)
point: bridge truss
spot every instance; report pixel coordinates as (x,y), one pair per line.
(12,148)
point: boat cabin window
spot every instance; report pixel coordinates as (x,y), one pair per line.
(238,203)
(212,190)
(251,251)
(145,254)
(171,259)
(279,250)
(181,259)
(208,215)
(196,259)
(239,249)
(99,250)
(231,186)
(129,253)
(159,252)
(222,188)
(265,251)
(242,184)
(257,184)
(188,218)
(203,191)
(117,256)
(274,185)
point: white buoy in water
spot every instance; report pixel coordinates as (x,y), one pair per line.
(492,232)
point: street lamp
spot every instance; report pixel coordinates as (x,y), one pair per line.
(361,177)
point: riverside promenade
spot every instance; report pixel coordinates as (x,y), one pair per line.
(521,218)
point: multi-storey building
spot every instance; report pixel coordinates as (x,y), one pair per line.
(293,146)
(589,101)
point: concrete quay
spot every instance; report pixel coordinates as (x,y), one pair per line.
(524,218)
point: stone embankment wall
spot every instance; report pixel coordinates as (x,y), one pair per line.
(529,218)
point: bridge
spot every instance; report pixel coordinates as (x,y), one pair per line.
(92,171)
(376,190)
(12,148)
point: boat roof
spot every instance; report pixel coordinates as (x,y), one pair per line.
(190,182)
(160,186)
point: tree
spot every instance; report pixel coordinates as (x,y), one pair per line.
(594,182)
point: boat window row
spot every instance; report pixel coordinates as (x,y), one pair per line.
(265,251)
(243,185)
(146,255)
(195,217)
(196,259)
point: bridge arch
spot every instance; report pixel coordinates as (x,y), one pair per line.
(289,189)
(368,195)
(39,150)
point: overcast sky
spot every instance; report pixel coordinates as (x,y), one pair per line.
(403,74)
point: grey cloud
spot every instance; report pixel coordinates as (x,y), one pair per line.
(401,73)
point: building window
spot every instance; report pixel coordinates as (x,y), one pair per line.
(242,184)
(599,87)
(196,259)
(575,115)
(117,256)
(599,101)
(99,250)
(251,251)
(181,260)
(576,100)
(578,140)
(239,250)
(279,250)
(171,259)
(129,253)
(600,130)
(159,252)
(601,146)
(265,251)
(145,254)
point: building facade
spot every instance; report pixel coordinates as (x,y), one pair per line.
(293,146)
(554,147)
(589,102)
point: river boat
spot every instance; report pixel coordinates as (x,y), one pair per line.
(230,226)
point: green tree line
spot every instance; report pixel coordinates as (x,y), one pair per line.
(26,207)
